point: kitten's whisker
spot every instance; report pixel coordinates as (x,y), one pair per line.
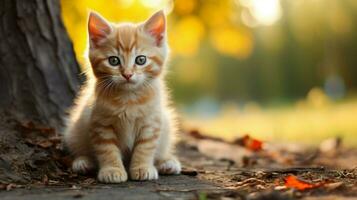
(105,86)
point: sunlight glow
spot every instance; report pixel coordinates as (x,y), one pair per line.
(264,12)
(126,3)
(152,3)
(166,5)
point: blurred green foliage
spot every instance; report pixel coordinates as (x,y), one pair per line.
(312,44)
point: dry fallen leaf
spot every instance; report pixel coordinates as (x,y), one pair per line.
(293,182)
(89,181)
(198,135)
(222,150)
(331,145)
(31,126)
(333,186)
(10,186)
(189,172)
(249,143)
(44,144)
(45,179)
(2,186)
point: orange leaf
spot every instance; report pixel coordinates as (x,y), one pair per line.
(293,182)
(252,144)
(249,143)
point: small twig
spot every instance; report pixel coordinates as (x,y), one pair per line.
(295,170)
(189,172)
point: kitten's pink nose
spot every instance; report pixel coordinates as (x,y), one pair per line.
(127,76)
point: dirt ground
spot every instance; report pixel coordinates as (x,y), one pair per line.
(213,169)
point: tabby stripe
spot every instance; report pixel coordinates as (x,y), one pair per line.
(105,141)
(103,151)
(118,44)
(133,45)
(105,129)
(157,60)
(96,61)
(149,69)
(144,151)
(145,140)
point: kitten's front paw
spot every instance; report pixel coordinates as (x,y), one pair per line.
(144,173)
(169,166)
(112,175)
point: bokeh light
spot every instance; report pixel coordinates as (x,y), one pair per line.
(264,12)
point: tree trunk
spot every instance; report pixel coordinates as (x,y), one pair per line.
(38,81)
(38,70)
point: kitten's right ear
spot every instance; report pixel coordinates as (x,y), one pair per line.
(156,26)
(98,27)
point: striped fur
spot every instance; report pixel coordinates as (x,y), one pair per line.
(116,121)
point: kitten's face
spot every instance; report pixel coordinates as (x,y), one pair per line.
(127,56)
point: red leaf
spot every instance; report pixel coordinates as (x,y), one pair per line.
(250,143)
(255,145)
(293,182)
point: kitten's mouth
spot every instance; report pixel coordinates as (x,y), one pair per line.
(129,82)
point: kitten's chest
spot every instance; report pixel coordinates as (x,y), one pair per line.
(128,123)
(129,120)
(130,117)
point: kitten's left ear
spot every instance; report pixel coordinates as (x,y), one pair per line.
(98,27)
(156,26)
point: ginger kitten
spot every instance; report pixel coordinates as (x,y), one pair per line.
(122,114)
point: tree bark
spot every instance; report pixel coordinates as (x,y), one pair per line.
(38,81)
(38,69)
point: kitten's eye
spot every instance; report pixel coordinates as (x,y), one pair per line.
(114,60)
(140,60)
